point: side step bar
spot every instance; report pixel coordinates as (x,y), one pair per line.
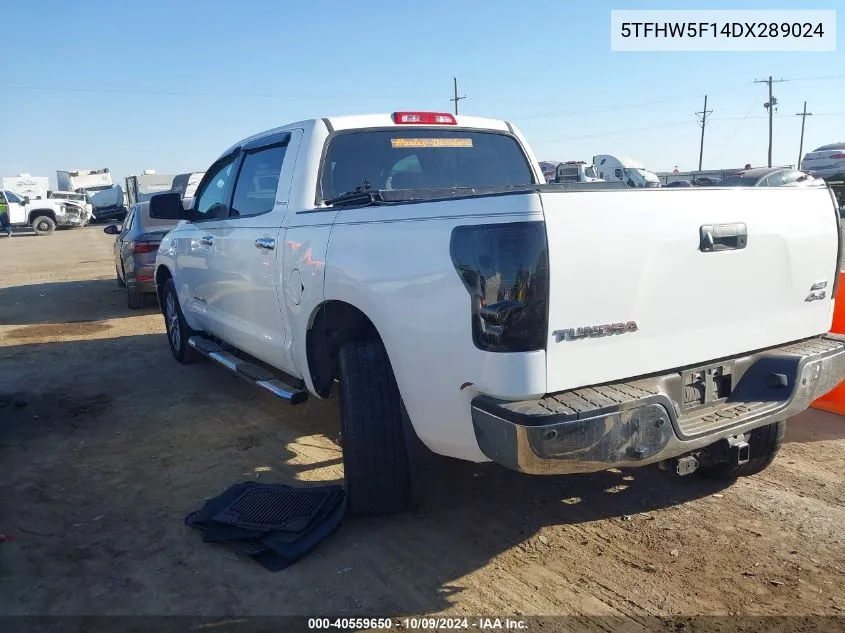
(255,374)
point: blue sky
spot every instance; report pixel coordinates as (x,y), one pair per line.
(168,85)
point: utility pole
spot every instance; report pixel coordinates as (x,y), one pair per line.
(702,122)
(770,106)
(456,98)
(803,116)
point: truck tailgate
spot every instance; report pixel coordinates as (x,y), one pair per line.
(636,258)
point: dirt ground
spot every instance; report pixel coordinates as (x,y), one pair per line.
(116,443)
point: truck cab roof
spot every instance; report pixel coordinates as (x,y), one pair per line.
(364,121)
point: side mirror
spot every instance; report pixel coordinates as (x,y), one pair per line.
(112,229)
(26,199)
(168,206)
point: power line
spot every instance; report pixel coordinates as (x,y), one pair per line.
(702,121)
(623,106)
(770,106)
(803,116)
(456,98)
(620,132)
(182,93)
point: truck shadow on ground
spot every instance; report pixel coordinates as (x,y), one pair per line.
(67,302)
(98,435)
(814,425)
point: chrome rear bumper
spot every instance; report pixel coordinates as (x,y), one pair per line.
(641,422)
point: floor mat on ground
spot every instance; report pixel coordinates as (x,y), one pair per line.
(274,524)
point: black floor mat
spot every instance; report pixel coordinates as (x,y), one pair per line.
(306,516)
(282,508)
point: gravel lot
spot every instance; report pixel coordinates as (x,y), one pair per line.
(117,443)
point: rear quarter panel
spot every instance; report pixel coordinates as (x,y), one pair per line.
(394,264)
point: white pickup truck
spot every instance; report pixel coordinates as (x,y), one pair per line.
(43,215)
(419,261)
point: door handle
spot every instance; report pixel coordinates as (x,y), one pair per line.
(207,240)
(267,243)
(722,237)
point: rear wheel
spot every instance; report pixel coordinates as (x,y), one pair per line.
(375,458)
(763,445)
(43,225)
(178,331)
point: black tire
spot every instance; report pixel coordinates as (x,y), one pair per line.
(375,458)
(43,225)
(763,443)
(134,299)
(120,282)
(178,331)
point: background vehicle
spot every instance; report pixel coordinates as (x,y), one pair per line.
(27,186)
(678,183)
(186,184)
(106,198)
(770,177)
(549,169)
(624,169)
(135,246)
(576,171)
(43,215)
(706,181)
(825,161)
(143,187)
(420,260)
(78,198)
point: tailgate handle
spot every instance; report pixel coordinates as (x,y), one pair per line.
(722,237)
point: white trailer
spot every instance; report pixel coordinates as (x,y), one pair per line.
(624,169)
(27,186)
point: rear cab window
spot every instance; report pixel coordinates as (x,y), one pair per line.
(396,159)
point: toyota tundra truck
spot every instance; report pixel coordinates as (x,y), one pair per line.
(462,306)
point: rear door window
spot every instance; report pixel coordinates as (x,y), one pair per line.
(399,158)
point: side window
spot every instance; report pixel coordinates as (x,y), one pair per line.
(792,176)
(774,180)
(255,190)
(212,203)
(127,223)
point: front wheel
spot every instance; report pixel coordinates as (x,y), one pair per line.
(43,225)
(178,331)
(375,458)
(763,445)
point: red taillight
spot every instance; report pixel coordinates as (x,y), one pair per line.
(838,156)
(145,247)
(424,118)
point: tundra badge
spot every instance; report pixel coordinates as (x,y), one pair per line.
(594,331)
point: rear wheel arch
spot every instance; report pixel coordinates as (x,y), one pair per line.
(332,325)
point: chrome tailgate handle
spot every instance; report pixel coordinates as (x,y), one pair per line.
(722,237)
(267,243)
